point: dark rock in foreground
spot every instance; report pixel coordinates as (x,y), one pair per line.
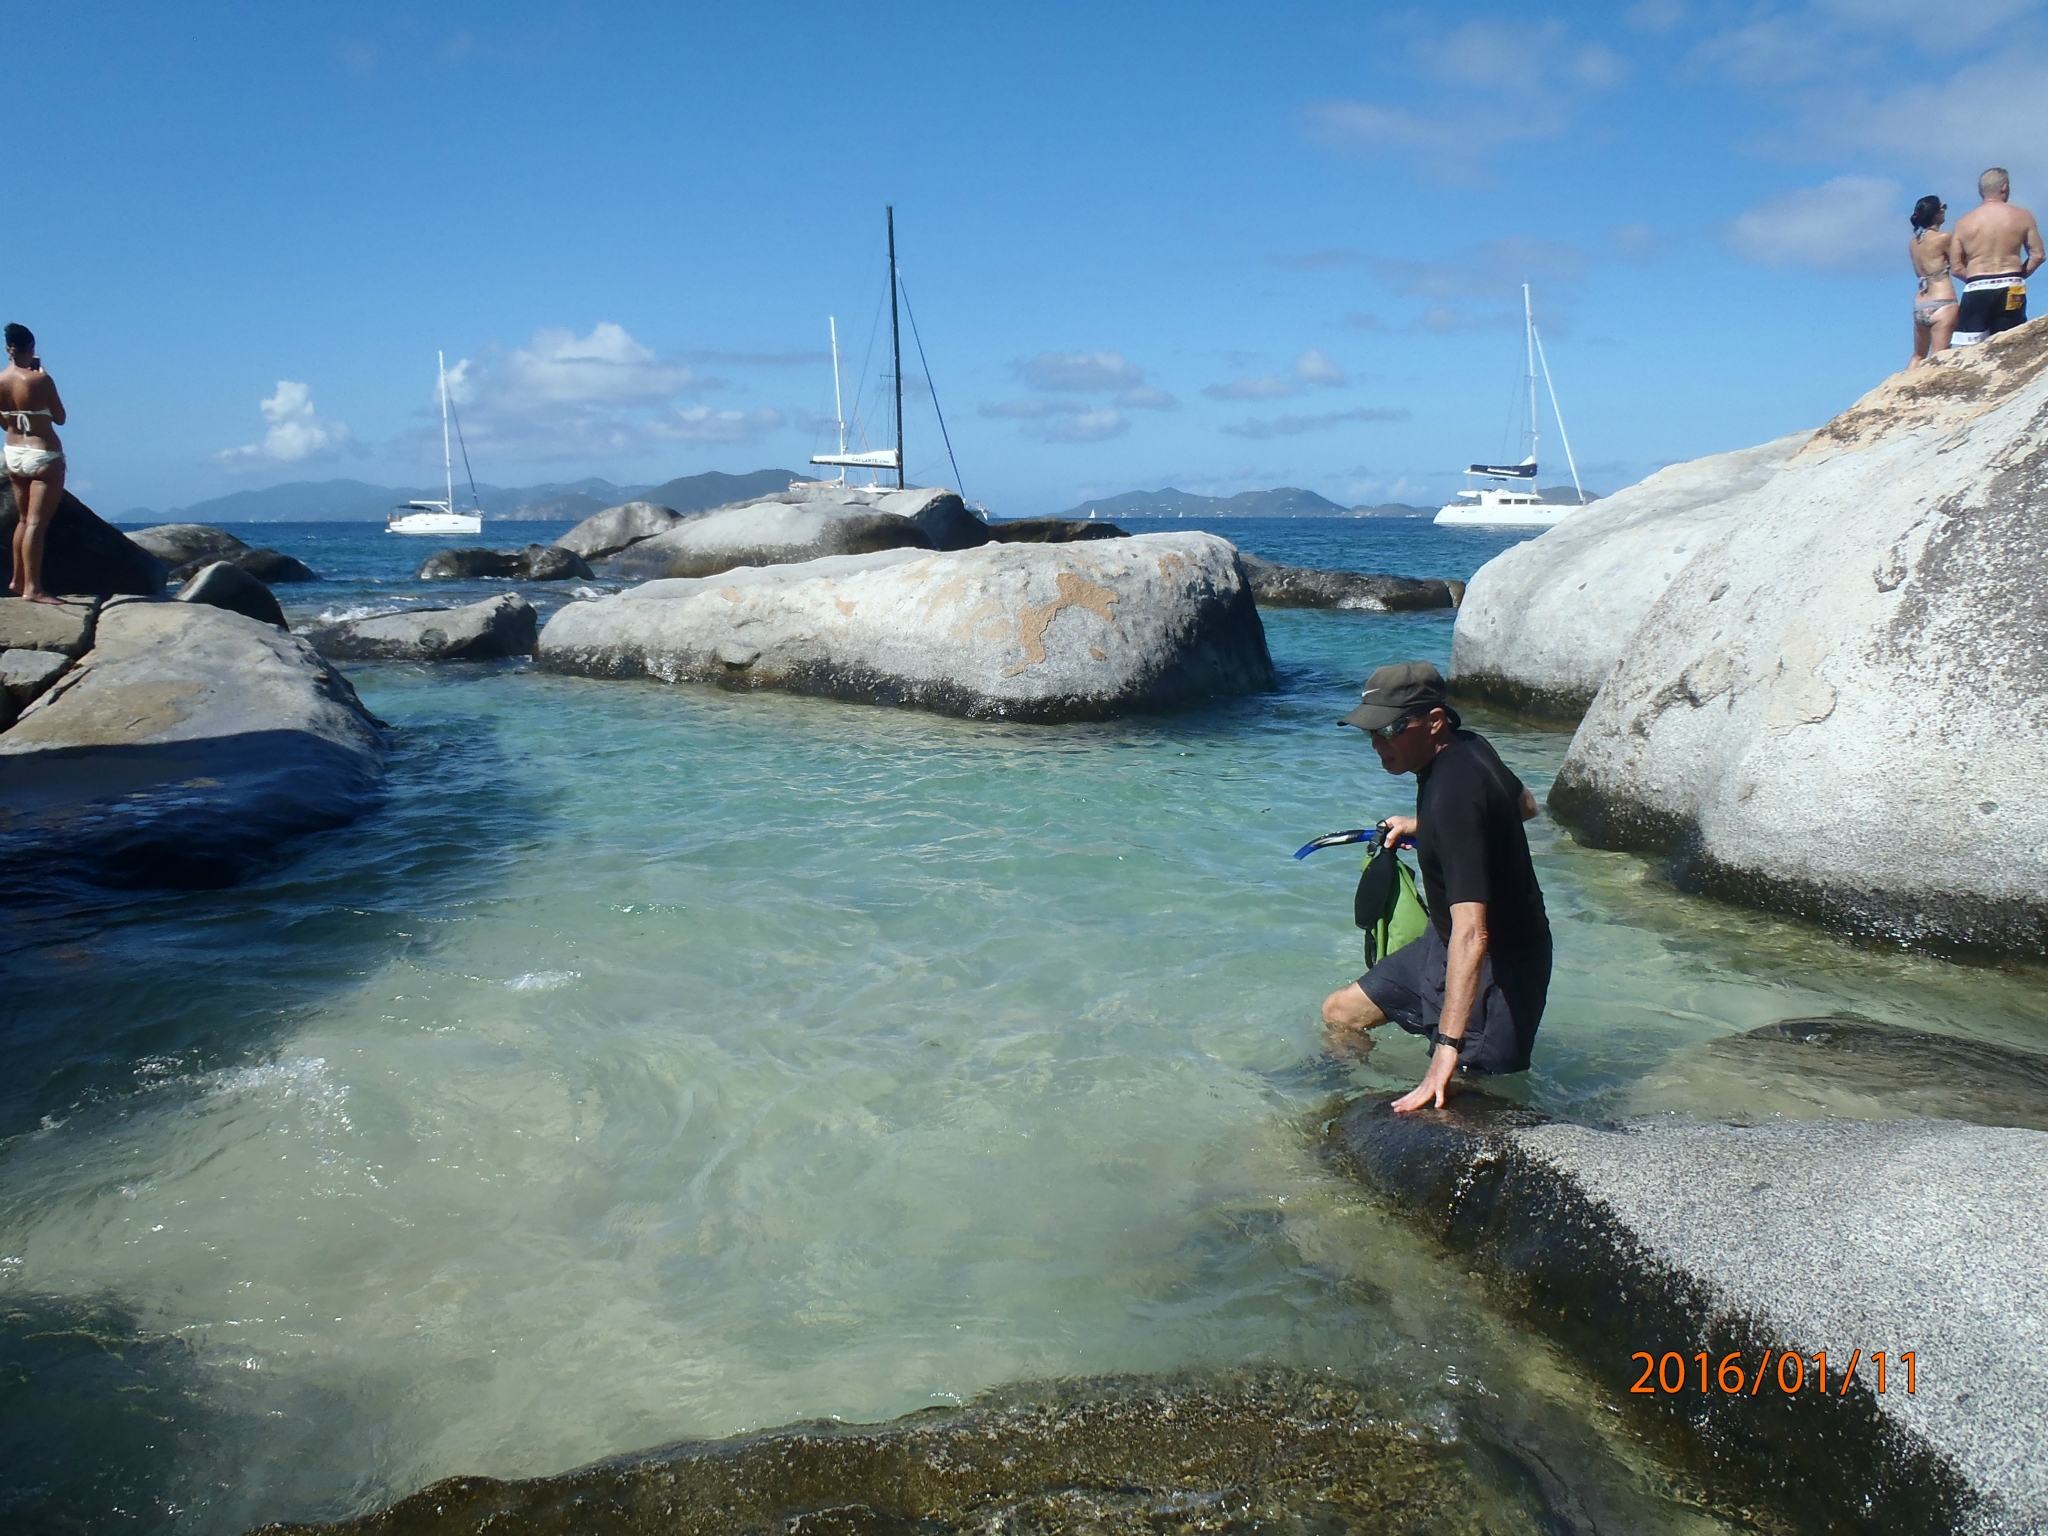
(1280,1452)
(487,631)
(536,562)
(179,751)
(84,555)
(1677,1238)
(1030,632)
(1294,586)
(187,548)
(225,586)
(615,528)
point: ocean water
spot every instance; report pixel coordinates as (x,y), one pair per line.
(662,1062)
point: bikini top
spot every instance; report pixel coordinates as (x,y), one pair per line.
(18,421)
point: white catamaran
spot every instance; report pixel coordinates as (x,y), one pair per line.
(878,458)
(1510,500)
(440,517)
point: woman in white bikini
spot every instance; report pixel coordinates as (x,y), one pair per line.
(1934,303)
(35,459)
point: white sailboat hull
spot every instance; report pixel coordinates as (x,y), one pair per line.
(1468,516)
(436,523)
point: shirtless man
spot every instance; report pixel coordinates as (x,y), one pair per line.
(1995,249)
(34,457)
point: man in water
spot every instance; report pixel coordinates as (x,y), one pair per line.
(1476,981)
(1995,249)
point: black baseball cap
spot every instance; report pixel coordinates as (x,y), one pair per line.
(1406,688)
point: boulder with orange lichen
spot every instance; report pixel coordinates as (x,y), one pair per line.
(1034,632)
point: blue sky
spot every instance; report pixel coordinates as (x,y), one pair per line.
(1215,246)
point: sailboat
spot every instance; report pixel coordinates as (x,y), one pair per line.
(1510,499)
(879,458)
(440,517)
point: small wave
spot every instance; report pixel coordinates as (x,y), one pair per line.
(542,981)
(350,615)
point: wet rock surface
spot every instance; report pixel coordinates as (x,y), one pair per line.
(184,746)
(1785,707)
(607,532)
(491,630)
(536,562)
(1545,621)
(1020,632)
(1675,1237)
(225,586)
(187,548)
(83,555)
(1294,586)
(800,524)
(1283,1452)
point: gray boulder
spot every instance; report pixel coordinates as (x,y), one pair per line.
(65,628)
(1053,530)
(495,628)
(1675,1236)
(940,513)
(184,746)
(188,548)
(1543,623)
(1021,632)
(536,562)
(24,677)
(222,585)
(84,555)
(1837,707)
(802,523)
(613,529)
(1295,586)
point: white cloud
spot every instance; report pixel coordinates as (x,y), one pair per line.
(1293,426)
(1061,421)
(1495,83)
(296,433)
(1315,368)
(1852,221)
(701,424)
(607,367)
(1655,16)
(1147,397)
(1079,372)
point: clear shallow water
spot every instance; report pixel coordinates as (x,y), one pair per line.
(664,1062)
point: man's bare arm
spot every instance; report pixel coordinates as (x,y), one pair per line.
(1461,991)
(2033,246)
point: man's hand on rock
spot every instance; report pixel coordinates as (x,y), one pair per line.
(1435,1089)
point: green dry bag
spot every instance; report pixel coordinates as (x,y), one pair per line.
(1388,906)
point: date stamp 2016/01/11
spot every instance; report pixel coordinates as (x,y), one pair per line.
(1673,1373)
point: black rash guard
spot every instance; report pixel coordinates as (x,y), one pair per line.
(1471,846)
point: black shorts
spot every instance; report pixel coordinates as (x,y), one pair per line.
(1985,312)
(1408,987)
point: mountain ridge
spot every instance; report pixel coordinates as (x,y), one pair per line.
(350,501)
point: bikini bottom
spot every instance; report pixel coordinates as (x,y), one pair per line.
(27,461)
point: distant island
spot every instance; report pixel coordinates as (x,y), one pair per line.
(1286,501)
(357,501)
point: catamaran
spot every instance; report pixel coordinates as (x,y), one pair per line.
(440,517)
(879,458)
(1510,500)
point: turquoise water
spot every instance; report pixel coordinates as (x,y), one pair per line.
(662,1062)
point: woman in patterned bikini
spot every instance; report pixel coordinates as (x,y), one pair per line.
(35,459)
(1934,303)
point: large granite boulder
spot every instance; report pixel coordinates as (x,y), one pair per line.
(613,529)
(805,522)
(227,586)
(1543,623)
(1672,1237)
(536,562)
(187,548)
(65,627)
(495,628)
(1052,530)
(84,555)
(1839,706)
(1021,632)
(1296,586)
(180,750)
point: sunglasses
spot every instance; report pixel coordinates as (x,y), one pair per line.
(1389,732)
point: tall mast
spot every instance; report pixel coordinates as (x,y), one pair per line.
(838,405)
(896,347)
(447,458)
(1529,336)
(1558,412)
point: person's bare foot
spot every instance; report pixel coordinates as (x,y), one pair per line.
(43,597)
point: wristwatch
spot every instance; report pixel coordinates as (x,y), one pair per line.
(1437,1037)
